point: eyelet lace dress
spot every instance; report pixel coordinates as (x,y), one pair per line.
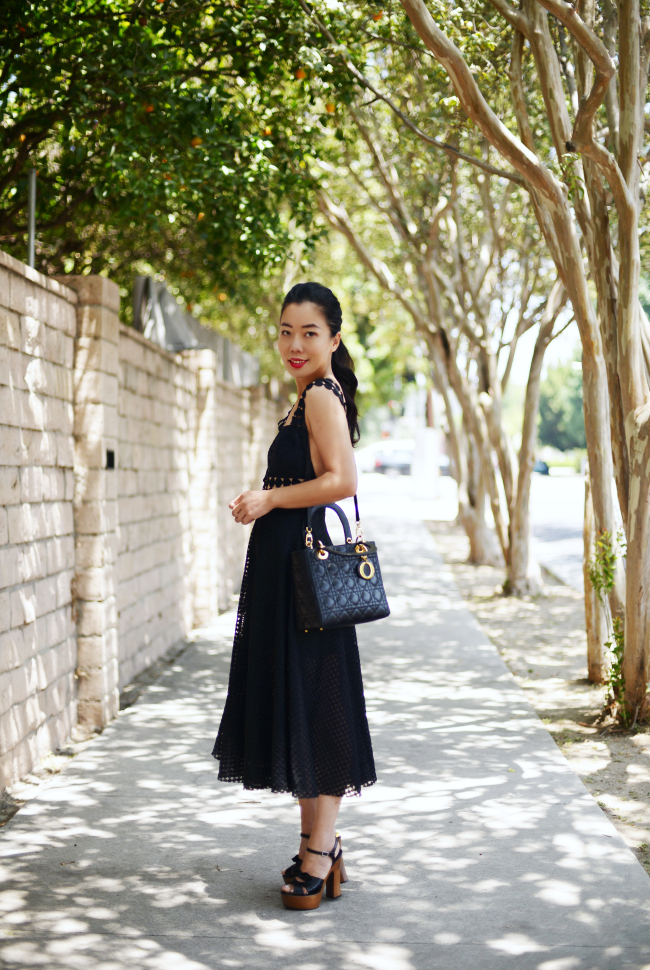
(295,716)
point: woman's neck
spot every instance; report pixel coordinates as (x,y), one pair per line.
(303,382)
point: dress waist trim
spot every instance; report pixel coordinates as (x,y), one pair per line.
(277,481)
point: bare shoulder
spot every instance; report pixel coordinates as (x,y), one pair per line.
(325,401)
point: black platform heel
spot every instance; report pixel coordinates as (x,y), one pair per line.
(290,874)
(307,891)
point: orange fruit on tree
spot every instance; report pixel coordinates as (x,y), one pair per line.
(378,15)
(330,107)
(196,141)
(148,108)
(200,216)
(301,73)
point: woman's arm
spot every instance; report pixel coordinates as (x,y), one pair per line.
(332,457)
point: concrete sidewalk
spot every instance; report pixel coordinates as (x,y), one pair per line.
(478,848)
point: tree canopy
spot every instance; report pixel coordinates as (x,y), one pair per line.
(159,130)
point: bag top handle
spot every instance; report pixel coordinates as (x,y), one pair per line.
(339,511)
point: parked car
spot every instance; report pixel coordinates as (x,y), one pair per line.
(366,457)
(540,467)
(394,456)
(393,462)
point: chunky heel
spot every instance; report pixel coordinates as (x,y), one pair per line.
(306,891)
(333,884)
(344,875)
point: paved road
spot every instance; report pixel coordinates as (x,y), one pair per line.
(557,512)
(479,847)
(557,509)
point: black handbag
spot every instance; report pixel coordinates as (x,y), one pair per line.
(337,586)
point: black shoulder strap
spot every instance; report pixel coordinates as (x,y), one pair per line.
(330,385)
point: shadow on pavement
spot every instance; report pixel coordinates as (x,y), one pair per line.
(479,847)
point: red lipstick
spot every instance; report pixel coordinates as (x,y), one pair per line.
(296,363)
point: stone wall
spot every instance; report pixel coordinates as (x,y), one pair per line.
(205,500)
(38,651)
(117,462)
(246,427)
(233,430)
(157,400)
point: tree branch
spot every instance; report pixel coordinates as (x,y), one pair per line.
(583,129)
(514,17)
(450,149)
(387,175)
(338,219)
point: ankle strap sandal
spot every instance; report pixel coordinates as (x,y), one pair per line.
(306,891)
(291,872)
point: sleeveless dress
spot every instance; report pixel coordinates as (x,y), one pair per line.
(295,716)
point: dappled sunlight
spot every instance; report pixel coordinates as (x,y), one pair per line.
(478,847)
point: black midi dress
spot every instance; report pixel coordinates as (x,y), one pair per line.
(295,716)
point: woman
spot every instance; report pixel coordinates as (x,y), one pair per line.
(295,716)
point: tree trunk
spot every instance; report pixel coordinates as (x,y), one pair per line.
(557,223)
(524,576)
(472,493)
(483,547)
(637,568)
(635,390)
(595,618)
(476,426)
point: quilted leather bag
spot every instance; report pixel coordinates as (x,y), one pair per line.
(337,586)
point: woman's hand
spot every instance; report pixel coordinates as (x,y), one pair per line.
(250,506)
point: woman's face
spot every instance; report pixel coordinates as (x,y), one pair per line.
(305,343)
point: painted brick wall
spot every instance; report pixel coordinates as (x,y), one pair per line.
(117,463)
(247,422)
(204,498)
(38,654)
(156,424)
(96,394)
(233,477)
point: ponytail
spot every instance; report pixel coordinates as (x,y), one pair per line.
(343,370)
(342,363)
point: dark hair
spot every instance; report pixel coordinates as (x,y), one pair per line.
(342,363)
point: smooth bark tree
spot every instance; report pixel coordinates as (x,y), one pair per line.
(595,617)
(472,300)
(588,212)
